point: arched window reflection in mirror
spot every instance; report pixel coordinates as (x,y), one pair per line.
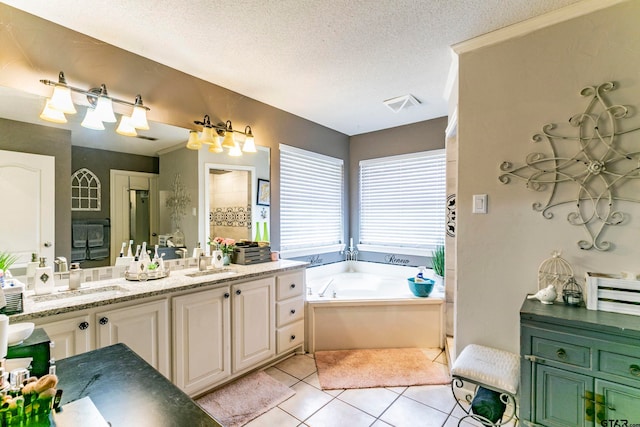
(85,191)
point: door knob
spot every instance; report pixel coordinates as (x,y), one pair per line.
(47,244)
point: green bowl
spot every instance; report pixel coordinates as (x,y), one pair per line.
(421,289)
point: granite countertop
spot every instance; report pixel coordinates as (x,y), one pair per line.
(103,292)
(127,391)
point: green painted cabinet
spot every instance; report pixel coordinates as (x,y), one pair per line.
(578,367)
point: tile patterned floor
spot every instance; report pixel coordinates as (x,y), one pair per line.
(377,407)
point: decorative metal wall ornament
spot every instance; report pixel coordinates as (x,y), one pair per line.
(593,164)
(451,215)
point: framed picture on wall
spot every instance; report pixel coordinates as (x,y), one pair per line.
(264,192)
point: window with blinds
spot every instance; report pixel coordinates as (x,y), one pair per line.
(311,193)
(402,201)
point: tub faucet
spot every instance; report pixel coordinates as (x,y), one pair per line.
(324,288)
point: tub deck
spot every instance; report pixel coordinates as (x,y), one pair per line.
(365,322)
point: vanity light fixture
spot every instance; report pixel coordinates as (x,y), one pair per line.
(100,108)
(211,135)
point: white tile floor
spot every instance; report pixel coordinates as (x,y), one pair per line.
(378,407)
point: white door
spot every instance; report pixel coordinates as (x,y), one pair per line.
(27,222)
(121,182)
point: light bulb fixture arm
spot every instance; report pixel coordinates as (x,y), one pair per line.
(93,94)
(221,128)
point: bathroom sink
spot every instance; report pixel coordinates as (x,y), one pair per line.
(219,271)
(115,290)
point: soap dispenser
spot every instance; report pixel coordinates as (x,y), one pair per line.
(44,282)
(31,270)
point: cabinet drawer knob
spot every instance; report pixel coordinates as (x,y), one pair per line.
(83,325)
(292,286)
(561,353)
(238,292)
(634,370)
(104,320)
(293,337)
(293,311)
(227,294)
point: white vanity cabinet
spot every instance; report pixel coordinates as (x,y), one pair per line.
(290,311)
(201,339)
(69,336)
(144,327)
(253,322)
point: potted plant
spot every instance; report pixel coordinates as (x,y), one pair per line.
(437,263)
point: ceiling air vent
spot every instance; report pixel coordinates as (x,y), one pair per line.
(401,103)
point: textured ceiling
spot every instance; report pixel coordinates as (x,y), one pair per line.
(332,62)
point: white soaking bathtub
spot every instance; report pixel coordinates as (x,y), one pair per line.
(369,305)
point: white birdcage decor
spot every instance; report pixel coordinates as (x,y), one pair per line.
(554,271)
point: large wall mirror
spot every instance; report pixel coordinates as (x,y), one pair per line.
(74,147)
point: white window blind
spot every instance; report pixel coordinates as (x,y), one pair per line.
(311,192)
(402,200)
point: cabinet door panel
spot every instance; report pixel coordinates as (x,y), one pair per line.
(202,329)
(563,399)
(143,327)
(70,337)
(617,402)
(253,322)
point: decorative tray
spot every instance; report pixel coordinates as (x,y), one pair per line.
(143,276)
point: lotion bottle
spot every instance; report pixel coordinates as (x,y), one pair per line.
(420,276)
(31,270)
(44,282)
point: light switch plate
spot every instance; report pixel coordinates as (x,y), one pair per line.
(480,203)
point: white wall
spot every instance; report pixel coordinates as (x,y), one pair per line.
(507,92)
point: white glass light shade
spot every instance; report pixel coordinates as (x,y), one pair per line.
(235,151)
(51,115)
(126,127)
(193,143)
(249,145)
(104,110)
(92,121)
(139,118)
(207,136)
(228,141)
(61,100)
(215,147)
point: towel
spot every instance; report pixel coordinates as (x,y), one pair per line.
(98,253)
(95,235)
(78,254)
(79,235)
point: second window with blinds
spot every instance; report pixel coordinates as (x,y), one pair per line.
(311,202)
(402,203)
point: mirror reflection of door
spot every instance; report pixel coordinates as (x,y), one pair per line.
(139,219)
(230,201)
(127,188)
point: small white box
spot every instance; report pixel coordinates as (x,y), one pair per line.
(609,292)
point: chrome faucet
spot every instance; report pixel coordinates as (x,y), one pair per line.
(61,262)
(324,288)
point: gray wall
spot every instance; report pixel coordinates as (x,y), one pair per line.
(422,136)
